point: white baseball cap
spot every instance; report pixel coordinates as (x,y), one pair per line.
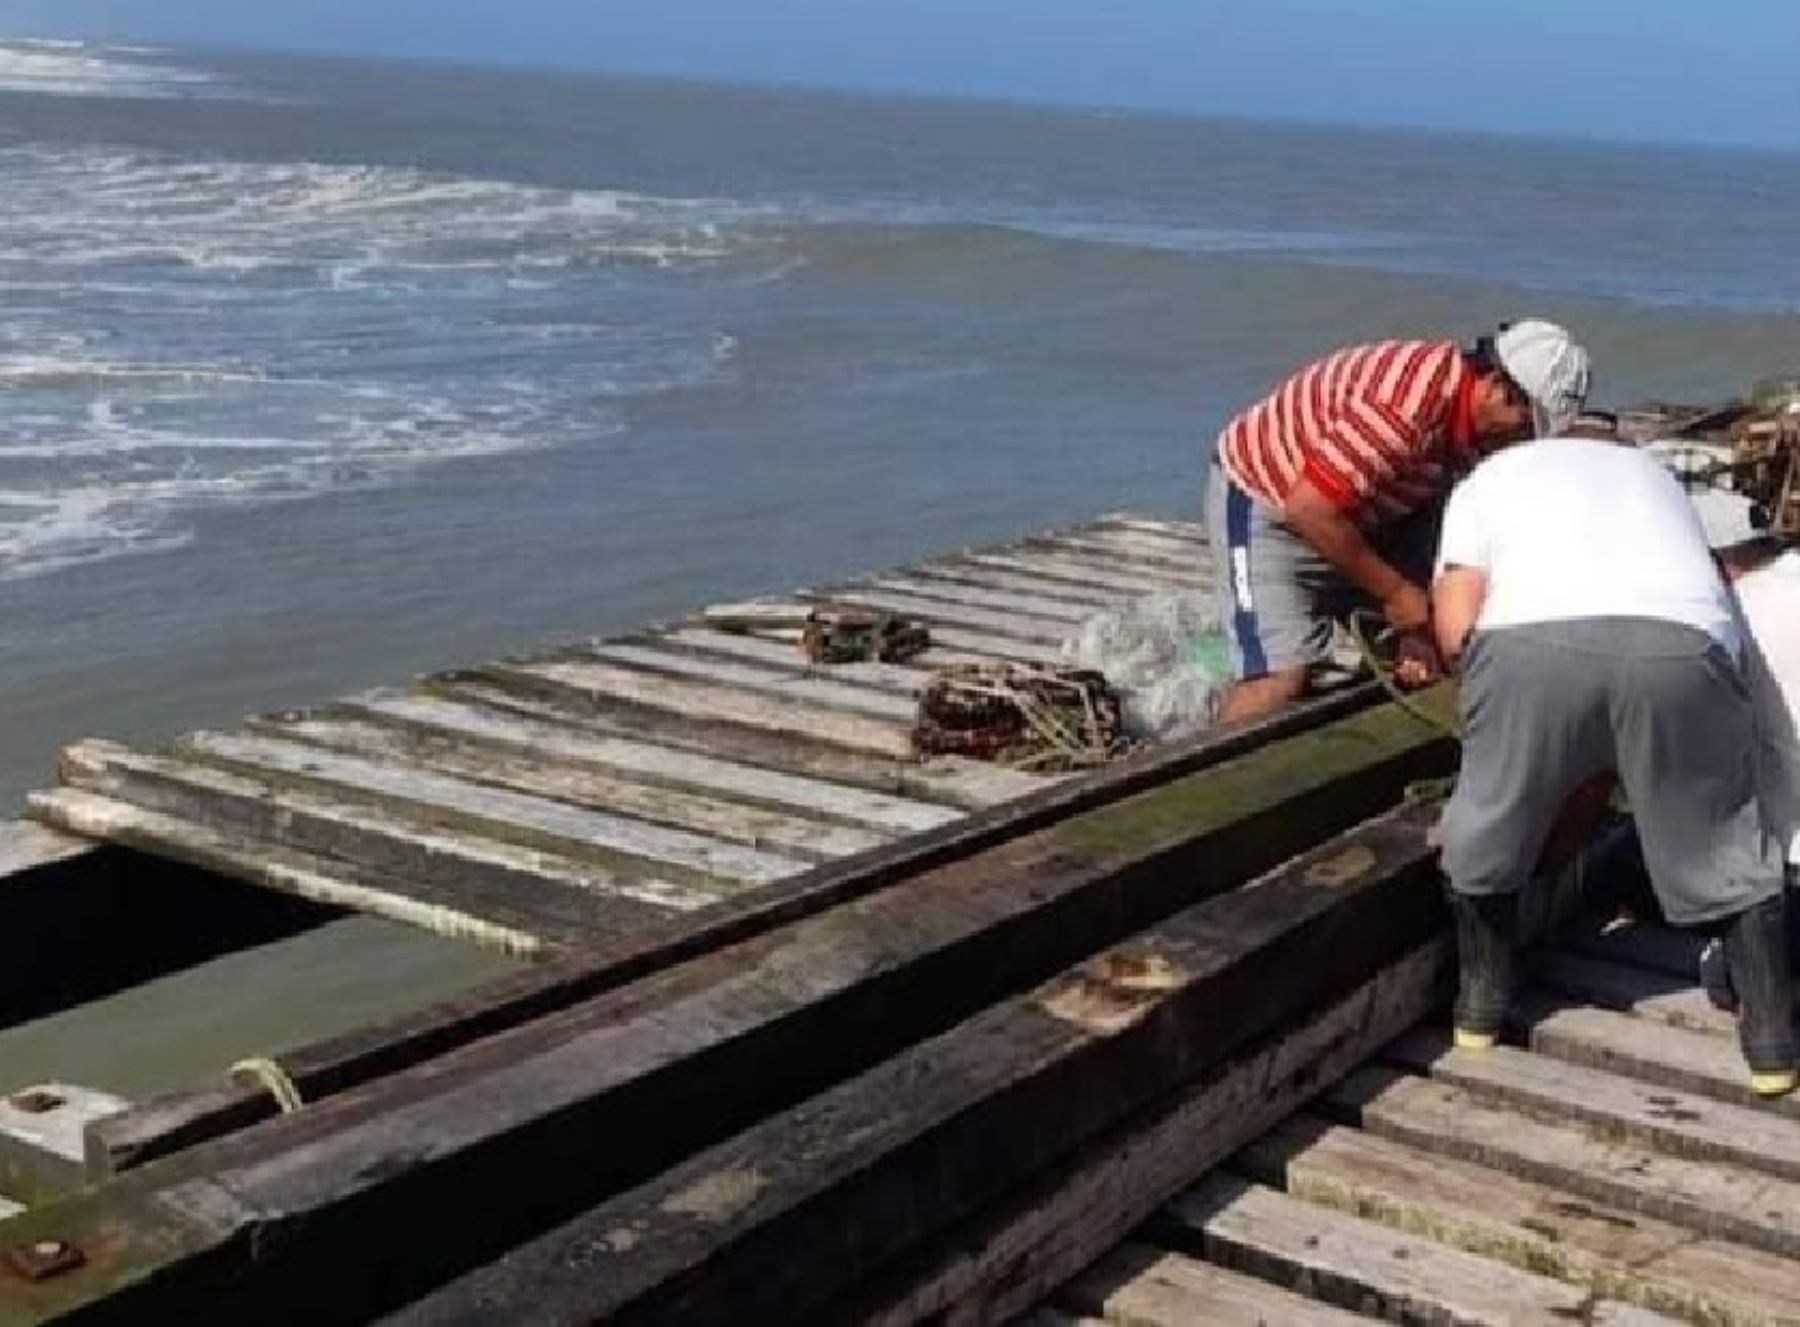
(1551,367)
(1729,519)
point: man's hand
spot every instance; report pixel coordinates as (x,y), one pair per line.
(1408,611)
(1417,664)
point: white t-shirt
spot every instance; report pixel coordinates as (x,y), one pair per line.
(1570,528)
(1770,597)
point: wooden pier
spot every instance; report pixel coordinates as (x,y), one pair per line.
(825,1034)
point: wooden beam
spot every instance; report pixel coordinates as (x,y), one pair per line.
(790,681)
(530,1117)
(1140,1286)
(861,1173)
(1093,599)
(983,597)
(344,1062)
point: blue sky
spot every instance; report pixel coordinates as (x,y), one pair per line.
(1676,70)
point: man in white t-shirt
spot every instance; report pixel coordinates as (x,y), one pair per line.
(1577,593)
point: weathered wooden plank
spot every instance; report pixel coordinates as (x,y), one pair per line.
(1709,1198)
(1681,1123)
(572,831)
(510,925)
(860,1173)
(781,714)
(963,783)
(26,845)
(770,1023)
(906,678)
(981,1271)
(1140,1286)
(647,761)
(1615,1253)
(1181,565)
(1193,531)
(1365,1267)
(814,690)
(731,821)
(1660,1055)
(1013,626)
(233,805)
(1657,996)
(981,597)
(390,1048)
(1096,572)
(756,615)
(1092,598)
(961,640)
(1142,541)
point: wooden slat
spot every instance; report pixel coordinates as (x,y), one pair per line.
(730,821)
(982,1270)
(1178,547)
(572,831)
(313,821)
(1678,1122)
(779,714)
(523,924)
(1013,626)
(1187,568)
(981,597)
(964,783)
(1658,1055)
(644,760)
(1726,1202)
(1168,526)
(1361,1265)
(787,681)
(1140,1286)
(904,678)
(26,845)
(1656,996)
(1079,570)
(1613,1252)
(988,647)
(1093,599)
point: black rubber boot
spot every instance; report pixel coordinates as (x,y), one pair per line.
(1756,956)
(1487,964)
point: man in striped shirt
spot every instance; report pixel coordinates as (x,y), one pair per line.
(1318,489)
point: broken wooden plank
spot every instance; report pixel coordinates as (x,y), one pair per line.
(862,1172)
(570,831)
(1681,1123)
(1361,1266)
(670,766)
(1139,1286)
(1615,1253)
(1709,1198)
(818,690)
(733,822)
(769,1024)
(346,1061)
(512,922)
(981,1271)
(230,805)
(719,704)
(962,783)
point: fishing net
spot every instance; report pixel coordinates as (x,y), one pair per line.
(833,636)
(1027,716)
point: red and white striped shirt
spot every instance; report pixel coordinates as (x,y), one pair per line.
(1375,428)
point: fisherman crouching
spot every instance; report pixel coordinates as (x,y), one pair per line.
(1324,495)
(1577,595)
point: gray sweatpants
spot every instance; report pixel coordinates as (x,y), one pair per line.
(1547,706)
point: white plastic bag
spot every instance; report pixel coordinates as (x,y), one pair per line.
(1166,656)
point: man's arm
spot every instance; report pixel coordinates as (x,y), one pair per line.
(1456,599)
(1325,524)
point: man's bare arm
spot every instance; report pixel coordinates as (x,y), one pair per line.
(1456,600)
(1329,529)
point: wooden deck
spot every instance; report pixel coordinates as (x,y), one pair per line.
(540,803)
(1611,1168)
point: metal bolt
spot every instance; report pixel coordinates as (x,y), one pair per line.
(45,1258)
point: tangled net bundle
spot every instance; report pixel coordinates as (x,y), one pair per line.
(1028,717)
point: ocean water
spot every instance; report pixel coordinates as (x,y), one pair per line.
(315,374)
